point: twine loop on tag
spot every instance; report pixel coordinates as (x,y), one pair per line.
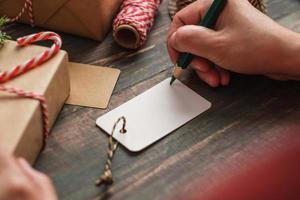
(30,64)
(107,177)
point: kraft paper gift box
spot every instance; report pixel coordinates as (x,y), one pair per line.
(87,18)
(21,126)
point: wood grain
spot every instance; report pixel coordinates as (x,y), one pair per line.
(253,111)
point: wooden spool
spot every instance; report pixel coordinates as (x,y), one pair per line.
(127,36)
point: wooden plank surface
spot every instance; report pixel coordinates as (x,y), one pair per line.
(252,111)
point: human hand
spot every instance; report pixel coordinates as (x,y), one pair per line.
(245,41)
(18,181)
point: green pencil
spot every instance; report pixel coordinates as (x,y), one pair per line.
(208,21)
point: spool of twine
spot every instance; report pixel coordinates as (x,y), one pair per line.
(183,3)
(134,21)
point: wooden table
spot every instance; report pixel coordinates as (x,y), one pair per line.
(253,111)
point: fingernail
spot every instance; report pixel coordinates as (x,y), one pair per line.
(172,39)
(200,68)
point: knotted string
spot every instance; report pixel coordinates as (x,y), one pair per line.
(107,177)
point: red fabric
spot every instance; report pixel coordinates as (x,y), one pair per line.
(276,177)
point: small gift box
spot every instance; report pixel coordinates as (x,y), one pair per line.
(88,18)
(21,119)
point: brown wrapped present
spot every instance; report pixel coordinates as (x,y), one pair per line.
(88,18)
(21,124)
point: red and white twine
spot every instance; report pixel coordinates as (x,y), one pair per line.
(31,64)
(28,5)
(36,61)
(139,14)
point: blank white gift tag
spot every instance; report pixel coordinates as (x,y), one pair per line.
(154,114)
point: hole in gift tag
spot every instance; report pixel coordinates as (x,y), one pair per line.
(154,114)
(123,131)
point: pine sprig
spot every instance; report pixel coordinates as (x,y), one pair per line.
(3,21)
(3,35)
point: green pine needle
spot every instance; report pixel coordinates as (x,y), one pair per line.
(3,35)
(3,21)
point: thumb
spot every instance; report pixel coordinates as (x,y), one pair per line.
(200,41)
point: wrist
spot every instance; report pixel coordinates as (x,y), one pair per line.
(289,60)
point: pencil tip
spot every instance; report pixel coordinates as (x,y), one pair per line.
(172,80)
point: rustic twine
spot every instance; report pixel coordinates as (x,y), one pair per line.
(30,64)
(259,4)
(28,5)
(107,177)
(134,21)
(177,5)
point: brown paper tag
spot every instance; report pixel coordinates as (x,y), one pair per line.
(91,86)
